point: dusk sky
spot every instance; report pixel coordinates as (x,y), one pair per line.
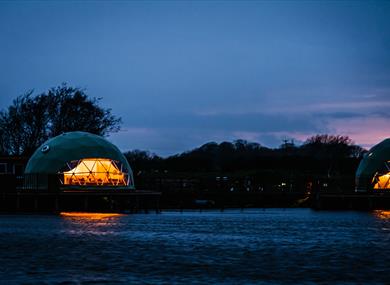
(181,74)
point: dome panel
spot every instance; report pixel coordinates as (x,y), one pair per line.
(374,168)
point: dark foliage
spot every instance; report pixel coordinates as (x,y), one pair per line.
(327,157)
(314,155)
(143,160)
(74,110)
(31,120)
(328,146)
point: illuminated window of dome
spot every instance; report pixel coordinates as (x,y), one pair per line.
(95,172)
(382,181)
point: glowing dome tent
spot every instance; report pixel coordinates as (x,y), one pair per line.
(82,160)
(94,171)
(374,170)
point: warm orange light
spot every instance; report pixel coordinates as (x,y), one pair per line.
(91,216)
(382,214)
(95,172)
(382,182)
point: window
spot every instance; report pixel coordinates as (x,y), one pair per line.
(381,179)
(95,172)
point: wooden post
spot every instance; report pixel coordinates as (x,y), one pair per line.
(35,204)
(136,204)
(86,203)
(111,201)
(157,205)
(370,203)
(17,202)
(56,204)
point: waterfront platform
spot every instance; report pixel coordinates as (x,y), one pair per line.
(351,201)
(121,201)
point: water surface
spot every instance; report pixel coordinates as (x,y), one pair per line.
(258,246)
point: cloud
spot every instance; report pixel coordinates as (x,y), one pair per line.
(163,141)
(367,103)
(175,132)
(365,131)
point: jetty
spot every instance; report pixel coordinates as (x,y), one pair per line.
(21,193)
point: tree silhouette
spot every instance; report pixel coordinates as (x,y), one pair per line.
(320,157)
(31,120)
(143,160)
(330,146)
(71,110)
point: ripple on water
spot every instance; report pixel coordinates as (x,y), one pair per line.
(253,246)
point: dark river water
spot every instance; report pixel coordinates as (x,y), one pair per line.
(272,246)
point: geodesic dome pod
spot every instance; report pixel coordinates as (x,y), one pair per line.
(82,159)
(373,172)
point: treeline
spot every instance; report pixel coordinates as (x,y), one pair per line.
(249,165)
(321,154)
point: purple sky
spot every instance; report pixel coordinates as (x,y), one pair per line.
(184,73)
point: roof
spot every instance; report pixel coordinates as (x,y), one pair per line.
(52,155)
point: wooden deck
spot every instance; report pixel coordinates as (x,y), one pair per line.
(129,201)
(352,201)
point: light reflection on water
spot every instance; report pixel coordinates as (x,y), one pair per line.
(231,247)
(382,214)
(89,216)
(81,223)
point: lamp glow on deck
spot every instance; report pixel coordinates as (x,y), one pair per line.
(95,172)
